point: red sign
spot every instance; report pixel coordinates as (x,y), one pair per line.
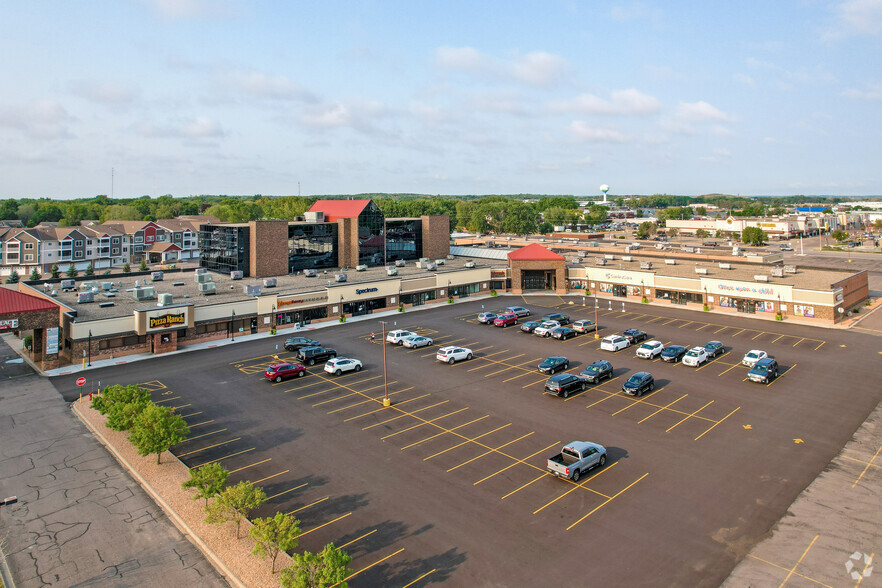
(81,381)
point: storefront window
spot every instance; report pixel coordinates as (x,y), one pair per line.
(676,297)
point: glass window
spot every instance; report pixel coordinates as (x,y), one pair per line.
(371,236)
(404,239)
(312,245)
(224,248)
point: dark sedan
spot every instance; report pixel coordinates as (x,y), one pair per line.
(635,335)
(597,371)
(714,348)
(556,316)
(530,325)
(554,364)
(638,384)
(674,353)
(563,333)
(295,343)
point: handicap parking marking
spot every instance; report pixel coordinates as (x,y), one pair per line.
(153,385)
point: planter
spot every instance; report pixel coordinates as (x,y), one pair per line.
(342,319)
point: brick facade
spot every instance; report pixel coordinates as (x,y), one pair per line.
(559,267)
(855,291)
(268,255)
(436,236)
(347,242)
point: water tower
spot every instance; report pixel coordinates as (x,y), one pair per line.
(604,188)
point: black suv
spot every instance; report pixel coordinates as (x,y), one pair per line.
(638,384)
(635,335)
(597,371)
(564,385)
(295,343)
(556,316)
(310,355)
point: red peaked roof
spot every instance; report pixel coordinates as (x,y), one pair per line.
(534,252)
(335,209)
(12,302)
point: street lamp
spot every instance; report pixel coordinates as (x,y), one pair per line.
(232,327)
(90,348)
(273,320)
(386,401)
(596,326)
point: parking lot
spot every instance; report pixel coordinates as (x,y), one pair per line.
(448,484)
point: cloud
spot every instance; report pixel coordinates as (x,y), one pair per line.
(699,112)
(744,79)
(533,69)
(360,116)
(40,119)
(873,92)
(199,127)
(585,132)
(261,85)
(857,17)
(106,93)
(625,12)
(623,102)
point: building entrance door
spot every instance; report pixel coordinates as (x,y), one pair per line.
(538,280)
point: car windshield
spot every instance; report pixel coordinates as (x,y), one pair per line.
(593,369)
(761,367)
(648,346)
(752,355)
(692,354)
(635,379)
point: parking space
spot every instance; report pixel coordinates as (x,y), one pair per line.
(442,484)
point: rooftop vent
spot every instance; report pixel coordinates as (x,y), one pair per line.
(156,276)
(84,297)
(789,269)
(777,272)
(645,265)
(237,274)
(144,293)
(627,258)
(609,256)
(725,266)
(106,304)
(252,289)
(269,283)
(761,278)
(671,261)
(600,260)
(201,270)
(164,299)
(178,284)
(701,270)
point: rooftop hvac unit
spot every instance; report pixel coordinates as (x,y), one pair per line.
(627,258)
(581,254)
(156,276)
(431,266)
(645,265)
(106,286)
(593,244)
(84,297)
(340,277)
(68,284)
(424,259)
(725,266)
(761,278)
(400,263)
(671,261)
(204,278)
(201,270)
(208,287)
(144,293)
(237,274)
(269,283)
(106,304)
(701,270)
(777,272)
(789,269)
(164,299)
(391,271)
(469,264)
(87,285)
(361,268)
(315,216)
(609,256)
(252,289)
(600,261)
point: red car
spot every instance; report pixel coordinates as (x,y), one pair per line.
(504,320)
(282,371)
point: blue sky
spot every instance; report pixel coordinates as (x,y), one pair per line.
(251,97)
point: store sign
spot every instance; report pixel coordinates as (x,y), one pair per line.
(366,290)
(167,320)
(282,303)
(747,289)
(52,340)
(497,273)
(8,324)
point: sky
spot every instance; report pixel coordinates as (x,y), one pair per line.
(188,97)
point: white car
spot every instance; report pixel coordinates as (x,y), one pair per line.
(650,349)
(415,341)
(544,330)
(453,354)
(338,365)
(753,356)
(695,357)
(614,343)
(398,337)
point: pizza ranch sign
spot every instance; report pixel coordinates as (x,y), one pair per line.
(167,320)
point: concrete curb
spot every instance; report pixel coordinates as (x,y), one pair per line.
(5,575)
(182,526)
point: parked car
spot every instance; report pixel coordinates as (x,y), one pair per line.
(764,370)
(487,318)
(295,343)
(338,365)
(554,364)
(650,349)
(614,343)
(564,385)
(673,353)
(415,341)
(564,333)
(786,247)
(751,357)
(504,320)
(453,354)
(638,384)
(282,371)
(518,310)
(544,330)
(530,326)
(597,371)
(714,348)
(584,326)
(576,458)
(695,357)
(635,336)
(398,337)
(557,317)
(310,355)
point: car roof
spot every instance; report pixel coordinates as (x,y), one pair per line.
(554,357)
(652,342)
(765,361)
(641,374)
(757,351)
(675,347)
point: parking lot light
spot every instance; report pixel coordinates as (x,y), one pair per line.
(386,401)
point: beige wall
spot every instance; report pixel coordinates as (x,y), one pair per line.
(685,284)
(222,311)
(616,276)
(103,327)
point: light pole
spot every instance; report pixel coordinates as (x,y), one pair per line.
(273,321)
(596,326)
(386,401)
(232,327)
(90,348)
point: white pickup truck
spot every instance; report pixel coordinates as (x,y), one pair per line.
(576,458)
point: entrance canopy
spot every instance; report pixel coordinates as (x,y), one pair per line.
(535,267)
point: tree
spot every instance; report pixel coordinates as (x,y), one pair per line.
(208,480)
(72,271)
(753,236)
(839,235)
(702,234)
(35,275)
(827,211)
(121,404)
(673,232)
(877,224)
(54,271)
(701,210)
(646,230)
(156,429)
(13,277)
(314,570)
(127,268)
(719,234)
(121,416)
(143,266)
(235,503)
(89,271)
(545,227)
(275,534)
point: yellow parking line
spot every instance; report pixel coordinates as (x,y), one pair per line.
(166,400)
(200,424)
(761,333)
(776,338)
(641,401)
(203,435)
(268,477)
(423,424)
(714,360)
(670,321)
(326,524)
(209,447)
(466,442)
(432,571)
(399,416)
(443,432)
(720,329)
(869,463)
(662,408)
(609,395)
(181,406)
(186,416)
(734,365)
(782,375)
(525,485)
(489,452)
(250,466)
(689,416)
(497,472)
(703,326)
(367,567)
(536,382)
(526,373)
(819,346)
(286,491)
(604,503)
(348,543)
(360,392)
(224,457)
(369,400)
(739,332)
(576,486)
(717,423)
(308,505)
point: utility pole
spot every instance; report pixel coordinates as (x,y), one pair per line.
(386,401)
